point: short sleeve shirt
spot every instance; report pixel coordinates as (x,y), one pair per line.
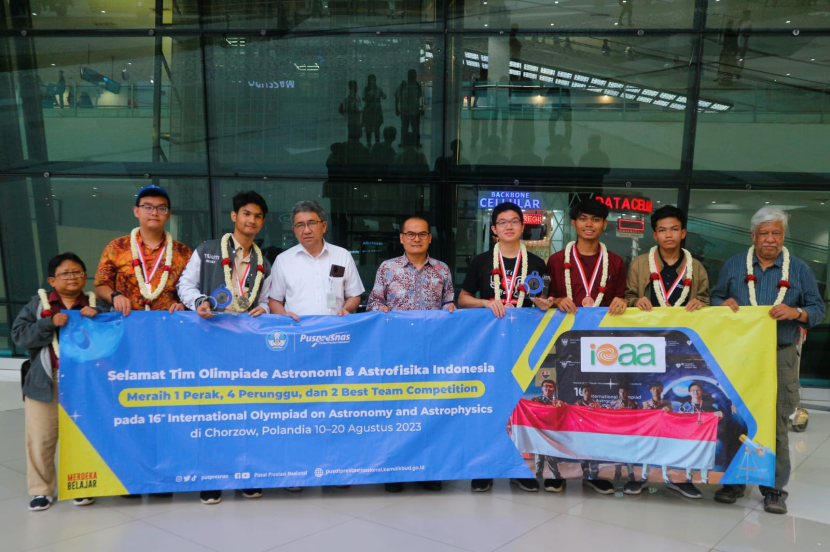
(479,279)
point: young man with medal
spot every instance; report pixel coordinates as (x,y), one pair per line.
(140,271)
(585,273)
(768,275)
(556,483)
(36,328)
(498,277)
(231,274)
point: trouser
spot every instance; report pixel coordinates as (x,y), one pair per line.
(786,401)
(413,122)
(590,469)
(41,443)
(553,466)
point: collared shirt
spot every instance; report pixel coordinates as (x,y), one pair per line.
(615,286)
(803,291)
(241,265)
(651,404)
(669,276)
(304,282)
(56,305)
(544,400)
(402,287)
(115,269)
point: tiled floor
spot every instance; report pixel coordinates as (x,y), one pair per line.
(367,519)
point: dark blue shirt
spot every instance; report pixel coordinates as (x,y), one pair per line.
(803,290)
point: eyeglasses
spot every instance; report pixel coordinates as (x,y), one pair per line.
(312,224)
(148,209)
(505,223)
(70,275)
(411,235)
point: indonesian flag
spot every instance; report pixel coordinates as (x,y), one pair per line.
(631,436)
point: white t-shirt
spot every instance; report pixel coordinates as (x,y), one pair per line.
(303,282)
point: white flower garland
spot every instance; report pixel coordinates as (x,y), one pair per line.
(602,281)
(497,276)
(144,287)
(785,277)
(44,300)
(652,267)
(227,269)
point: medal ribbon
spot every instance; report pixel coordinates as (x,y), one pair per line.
(588,288)
(666,295)
(148,279)
(241,284)
(509,283)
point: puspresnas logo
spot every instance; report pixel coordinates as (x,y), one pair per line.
(328,339)
(623,354)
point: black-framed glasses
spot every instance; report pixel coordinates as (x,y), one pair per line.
(73,275)
(312,224)
(148,209)
(411,235)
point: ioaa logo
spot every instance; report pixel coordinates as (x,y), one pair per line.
(276,340)
(329,339)
(623,354)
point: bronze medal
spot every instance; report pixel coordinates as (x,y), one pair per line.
(588,302)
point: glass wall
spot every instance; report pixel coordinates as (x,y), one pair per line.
(383,108)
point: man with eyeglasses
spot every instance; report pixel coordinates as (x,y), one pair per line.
(768,275)
(497,276)
(140,271)
(413,281)
(314,277)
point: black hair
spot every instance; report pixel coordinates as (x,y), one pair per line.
(622,386)
(503,207)
(242,199)
(695,382)
(58,260)
(413,217)
(588,386)
(153,192)
(668,211)
(591,207)
(656,384)
(550,381)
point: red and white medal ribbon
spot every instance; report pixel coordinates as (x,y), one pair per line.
(509,282)
(667,294)
(149,278)
(241,283)
(588,288)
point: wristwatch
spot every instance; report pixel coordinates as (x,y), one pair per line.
(114,295)
(800,312)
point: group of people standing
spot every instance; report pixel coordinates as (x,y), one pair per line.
(148,270)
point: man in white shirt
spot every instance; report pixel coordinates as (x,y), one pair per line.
(314,277)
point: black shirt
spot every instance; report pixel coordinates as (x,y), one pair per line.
(479,279)
(669,275)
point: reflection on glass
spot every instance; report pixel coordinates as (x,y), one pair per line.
(5,332)
(338,107)
(554,15)
(590,103)
(99,105)
(101,14)
(719,225)
(313,15)
(776,92)
(764,14)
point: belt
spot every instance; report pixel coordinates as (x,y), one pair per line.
(785,345)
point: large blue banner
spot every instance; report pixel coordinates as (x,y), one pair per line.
(158,402)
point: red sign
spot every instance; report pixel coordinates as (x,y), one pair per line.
(533,218)
(631,225)
(622,203)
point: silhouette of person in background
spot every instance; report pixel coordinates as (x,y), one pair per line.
(493,154)
(596,160)
(60,89)
(383,153)
(626,8)
(409,105)
(372,111)
(557,156)
(606,48)
(560,108)
(410,160)
(351,107)
(523,155)
(452,161)
(727,62)
(354,152)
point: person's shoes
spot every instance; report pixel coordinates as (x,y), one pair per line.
(132,496)
(393,487)
(293,489)
(774,503)
(602,486)
(433,486)
(554,485)
(729,494)
(252,493)
(686,489)
(634,487)
(40,503)
(210,497)
(529,485)
(84,501)
(481,485)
